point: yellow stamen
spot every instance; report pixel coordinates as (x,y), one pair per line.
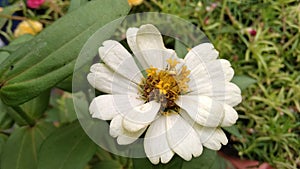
(165,86)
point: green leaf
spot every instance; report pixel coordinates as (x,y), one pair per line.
(37,106)
(180,48)
(20,150)
(243,81)
(66,148)
(3,56)
(16,44)
(209,159)
(233,130)
(22,39)
(66,84)
(108,164)
(7,115)
(5,120)
(75,4)
(49,58)
(3,139)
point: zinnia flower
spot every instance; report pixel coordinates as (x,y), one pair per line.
(135,2)
(28,27)
(34,3)
(181,104)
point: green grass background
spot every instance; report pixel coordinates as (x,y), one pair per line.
(269,114)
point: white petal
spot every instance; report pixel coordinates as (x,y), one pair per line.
(212,138)
(105,80)
(156,144)
(227,69)
(120,60)
(123,136)
(106,107)
(202,109)
(182,138)
(230,116)
(141,116)
(151,47)
(200,54)
(206,75)
(131,40)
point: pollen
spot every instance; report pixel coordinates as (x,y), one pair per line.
(165,85)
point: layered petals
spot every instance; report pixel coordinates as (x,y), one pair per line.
(141,116)
(106,107)
(105,80)
(156,144)
(124,137)
(182,138)
(120,60)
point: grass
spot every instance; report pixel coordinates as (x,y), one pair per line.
(269,118)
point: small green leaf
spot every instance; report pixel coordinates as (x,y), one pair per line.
(233,130)
(66,148)
(20,150)
(180,48)
(108,164)
(243,81)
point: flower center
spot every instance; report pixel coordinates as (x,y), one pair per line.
(165,86)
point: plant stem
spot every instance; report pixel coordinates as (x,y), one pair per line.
(24,115)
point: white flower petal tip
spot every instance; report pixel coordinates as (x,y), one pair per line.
(200,54)
(120,60)
(182,138)
(212,138)
(141,116)
(124,137)
(230,116)
(156,144)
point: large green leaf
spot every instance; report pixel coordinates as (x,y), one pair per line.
(75,4)
(20,150)
(66,148)
(50,57)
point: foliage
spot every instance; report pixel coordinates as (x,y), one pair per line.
(269,114)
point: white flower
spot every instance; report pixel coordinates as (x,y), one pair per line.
(180,103)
